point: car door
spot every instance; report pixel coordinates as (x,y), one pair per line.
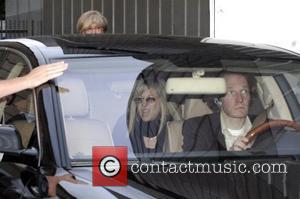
(19,112)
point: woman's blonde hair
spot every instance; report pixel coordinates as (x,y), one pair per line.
(139,88)
(91,17)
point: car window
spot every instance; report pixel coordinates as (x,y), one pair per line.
(169,105)
(17,109)
(100,105)
(294,82)
(94,94)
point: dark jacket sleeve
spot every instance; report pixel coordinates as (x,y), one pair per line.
(198,135)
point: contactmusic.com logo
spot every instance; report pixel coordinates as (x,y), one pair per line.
(110,166)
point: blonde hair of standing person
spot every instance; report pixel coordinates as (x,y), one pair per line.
(89,20)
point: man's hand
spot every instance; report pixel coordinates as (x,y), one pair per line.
(240,144)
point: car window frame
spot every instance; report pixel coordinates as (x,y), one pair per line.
(60,133)
(16,49)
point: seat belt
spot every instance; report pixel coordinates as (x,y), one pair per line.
(263,116)
(15,72)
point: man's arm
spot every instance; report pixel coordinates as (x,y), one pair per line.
(197,135)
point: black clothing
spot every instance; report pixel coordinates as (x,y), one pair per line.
(205,133)
(150,130)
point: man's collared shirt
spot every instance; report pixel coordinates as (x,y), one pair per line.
(230,134)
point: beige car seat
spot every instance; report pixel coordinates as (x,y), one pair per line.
(174,137)
(24,127)
(82,132)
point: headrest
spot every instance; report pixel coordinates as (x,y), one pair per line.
(195,108)
(74,97)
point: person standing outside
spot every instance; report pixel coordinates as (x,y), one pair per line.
(92,22)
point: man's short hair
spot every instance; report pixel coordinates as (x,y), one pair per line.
(213,100)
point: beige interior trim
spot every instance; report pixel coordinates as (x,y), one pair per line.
(25,129)
(272,93)
(189,85)
(174,138)
(195,108)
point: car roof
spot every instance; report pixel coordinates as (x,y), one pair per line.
(158,45)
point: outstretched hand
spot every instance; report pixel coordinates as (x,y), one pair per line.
(36,77)
(43,73)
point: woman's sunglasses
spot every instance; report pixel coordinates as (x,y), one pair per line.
(148,100)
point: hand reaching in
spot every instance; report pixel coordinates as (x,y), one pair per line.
(34,78)
(43,73)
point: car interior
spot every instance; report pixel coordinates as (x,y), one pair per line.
(98,101)
(196,107)
(17,109)
(195,90)
(82,132)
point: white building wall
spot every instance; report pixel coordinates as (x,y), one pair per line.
(274,22)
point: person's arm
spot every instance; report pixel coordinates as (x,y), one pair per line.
(33,79)
(197,135)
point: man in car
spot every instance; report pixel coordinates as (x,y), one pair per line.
(226,129)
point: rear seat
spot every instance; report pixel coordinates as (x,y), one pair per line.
(174,137)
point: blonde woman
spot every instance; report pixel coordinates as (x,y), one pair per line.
(148,115)
(92,22)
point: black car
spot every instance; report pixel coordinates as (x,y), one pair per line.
(50,131)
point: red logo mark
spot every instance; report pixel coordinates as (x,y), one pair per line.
(110,166)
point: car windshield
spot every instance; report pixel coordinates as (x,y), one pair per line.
(145,104)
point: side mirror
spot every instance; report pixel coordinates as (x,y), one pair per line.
(10,139)
(11,143)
